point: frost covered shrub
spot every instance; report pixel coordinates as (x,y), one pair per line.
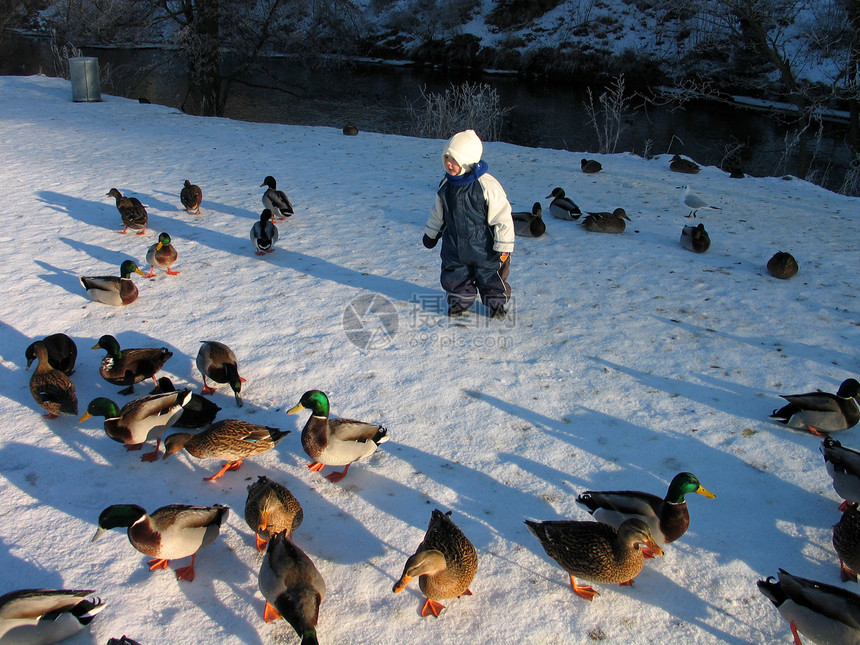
(468,105)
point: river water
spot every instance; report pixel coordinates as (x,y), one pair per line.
(376,97)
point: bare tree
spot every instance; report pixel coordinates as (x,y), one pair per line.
(608,119)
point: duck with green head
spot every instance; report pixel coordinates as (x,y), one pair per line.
(667,518)
(171,532)
(163,255)
(140,420)
(111,289)
(335,442)
(130,366)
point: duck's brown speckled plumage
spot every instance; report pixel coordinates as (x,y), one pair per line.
(679,164)
(594,551)
(846,541)
(51,388)
(445,563)
(271,508)
(191,195)
(605,222)
(231,440)
(131,211)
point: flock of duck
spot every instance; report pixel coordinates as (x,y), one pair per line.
(630,526)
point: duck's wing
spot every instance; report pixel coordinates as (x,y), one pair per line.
(818,401)
(352,430)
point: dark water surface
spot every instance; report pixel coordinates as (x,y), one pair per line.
(376,97)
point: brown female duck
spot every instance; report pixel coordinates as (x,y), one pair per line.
(271,508)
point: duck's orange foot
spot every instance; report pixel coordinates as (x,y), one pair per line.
(336,477)
(465,593)
(150,456)
(432,607)
(817,433)
(50,415)
(157,563)
(230,465)
(122,232)
(185,573)
(627,583)
(208,389)
(847,574)
(169,272)
(151,273)
(261,253)
(584,592)
(143,232)
(270,613)
(315,466)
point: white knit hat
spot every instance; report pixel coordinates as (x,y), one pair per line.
(465,147)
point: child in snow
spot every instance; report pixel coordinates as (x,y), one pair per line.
(472,215)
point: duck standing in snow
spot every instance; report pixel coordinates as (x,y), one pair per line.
(218,362)
(846,541)
(62,353)
(230,440)
(276,200)
(161,255)
(270,509)
(823,613)
(335,442)
(131,211)
(563,207)
(129,366)
(595,551)
(822,412)
(191,195)
(111,289)
(292,586)
(44,616)
(667,518)
(782,265)
(843,466)
(445,563)
(140,420)
(51,388)
(171,532)
(264,234)
(197,413)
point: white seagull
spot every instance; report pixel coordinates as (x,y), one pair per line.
(694,202)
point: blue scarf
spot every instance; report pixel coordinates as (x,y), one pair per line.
(461,180)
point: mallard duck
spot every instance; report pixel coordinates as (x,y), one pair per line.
(782,265)
(131,210)
(162,254)
(130,366)
(350,130)
(694,202)
(276,200)
(43,616)
(111,289)
(218,362)
(62,353)
(140,420)
(824,613)
(667,518)
(595,551)
(271,508)
(695,238)
(230,440)
(171,532)
(335,442)
(445,564)
(843,466)
(822,412)
(846,541)
(529,224)
(264,234)
(191,195)
(590,166)
(123,640)
(51,388)
(606,222)
(679,164)
(292,587)
(198,412)
(563,207)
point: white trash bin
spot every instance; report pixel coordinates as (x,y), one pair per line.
(86,82)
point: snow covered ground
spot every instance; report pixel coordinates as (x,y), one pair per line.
(625,360)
